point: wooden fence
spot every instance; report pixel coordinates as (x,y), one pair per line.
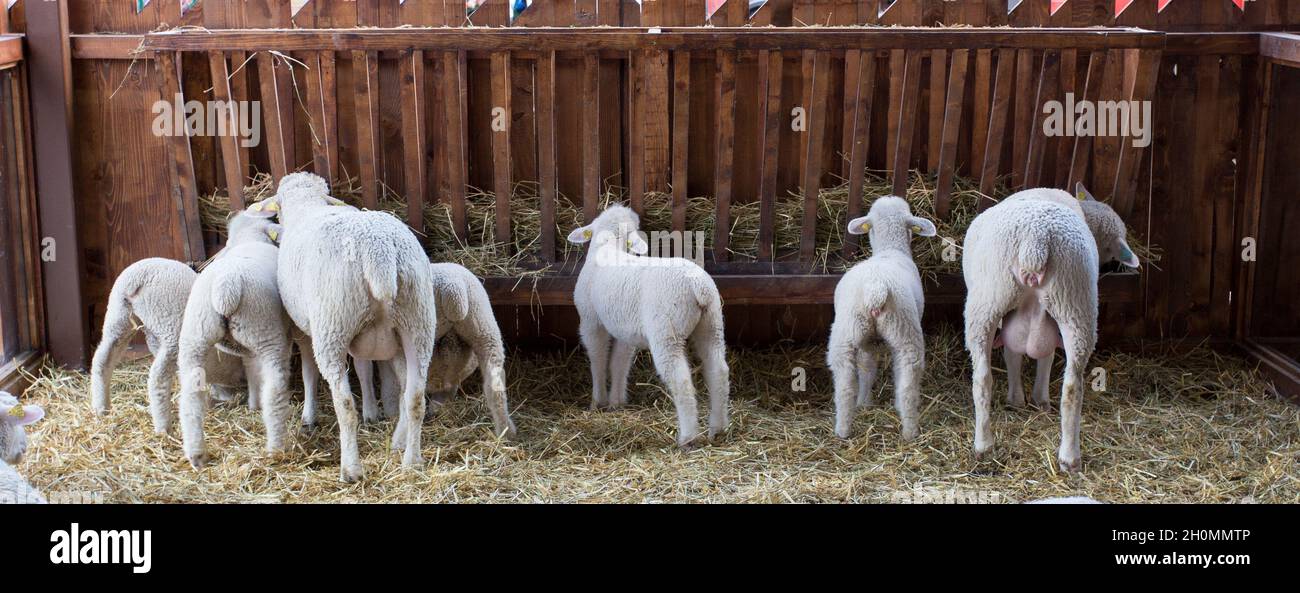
(1185,191)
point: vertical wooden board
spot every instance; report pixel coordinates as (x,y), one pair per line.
(657,119)
(1130,156)
(636,116)
(322,110)
(591,138)
(1257,97)
(272,116)
(231,157)
(852,60)
(454,106)
(184,191)
(271,14)
(863,93)
(936,107)
(1026,83)
(771,76)
(897,74)
(981,109)
(1065,144)
(546,151)
(749,123)
(951,126)
(1222,185)
(1105,148)
(703,127)
(907,122)
(1083,143)
(365,78)
(681,136)
(817,116)
(1046,91)
(725,92)
(997,124)
(501,185)
(411,69)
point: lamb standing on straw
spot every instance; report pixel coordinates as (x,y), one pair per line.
(152,293)
(1031,267)
(878,304)
(13,444)
(355,282)
(660,303)
(235,304)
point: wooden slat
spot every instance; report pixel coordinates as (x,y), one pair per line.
(1105,149)
(1083,143)
(725,101)
(902,156)
(656,120)
(681,136)
(936,108)
(1131,156)
(501,145)
(549,190)
(591,135)
(771,65)
(817,116)
(980,108)
(1023,116)
(413,136)
(997,124)
(1046,91)
(231,155)
(951,126)
(852,61)
(636,131)
(184,190)
(897,74)
(862,93)
(454,108)
(365,78)
(1065,145)
(322,104)
(277,141)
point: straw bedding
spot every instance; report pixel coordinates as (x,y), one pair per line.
(1191,427)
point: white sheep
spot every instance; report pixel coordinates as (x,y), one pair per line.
(235,305)
(878,305)
(13,444)
(356,282)
(1032,331)
(1031,259)
(643,302)
(150,294)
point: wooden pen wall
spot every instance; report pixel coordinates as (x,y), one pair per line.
(1188,184)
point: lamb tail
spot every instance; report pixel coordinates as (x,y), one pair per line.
(379,268)
(227,290)
(875,297)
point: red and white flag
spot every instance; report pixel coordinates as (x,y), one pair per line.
(1056,5)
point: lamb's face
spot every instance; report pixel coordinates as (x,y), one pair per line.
(890,223)
(13,417)
(246,228)
(618,225)
(297,191)
(1109,231)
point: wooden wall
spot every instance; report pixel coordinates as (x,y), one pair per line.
(1189,188)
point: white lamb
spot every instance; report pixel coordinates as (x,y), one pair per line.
(151,294)
(13,444)
(1031,268)
(356,282)
(235,305)
(659,303)
(878,305)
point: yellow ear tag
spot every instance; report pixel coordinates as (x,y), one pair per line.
(586,235)
(18,412)
(865,227)
(273,234)
(272,207)
(256,207)
(629,243)
(336,202)
(916,229)
(1081,196)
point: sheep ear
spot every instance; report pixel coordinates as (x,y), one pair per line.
(275,231)
(581,234)
(264,209)
(24,415)
(1082,193)
(335,201)
(636,244)
(1126,255)
(859,226)
(923,227)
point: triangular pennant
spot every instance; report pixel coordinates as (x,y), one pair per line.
(187,5)
(1240,4)
(1121,6)
(1056,5)
(295,6)
(884,7)
(1161,4)
(10,3)
(139,5)
(1012,5)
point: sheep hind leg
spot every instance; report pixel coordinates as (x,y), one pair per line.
(160,387)
(979,341)
(333,364)
(1077,353)
(909,365)
(417,352)
(675,371)
(273,365)
(1042,383)
(620,363)
(1015,390)
(841,357)
(868,366)
(117,336)
(712,353)
(597,341)
(493,370)
(366,377)
(310,379)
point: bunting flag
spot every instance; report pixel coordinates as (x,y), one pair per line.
(1121,6)
(10,3)
(139,5)
(1240,4)
(884,7)
(1161,4)
(187,5)
(1056,5)
(1012,5)
(295,6)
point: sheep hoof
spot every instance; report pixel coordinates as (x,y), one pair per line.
(1071,466)
(691,444)
(308,426)
(351,475)
(983,455)
(508,433)
(715,433)
(101,411)
(371,417)
(198,460)
(910,434)
(413,461)
(1044,405)
(843,433)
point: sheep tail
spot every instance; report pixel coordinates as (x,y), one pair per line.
(227,289)
(379,268)
(1031,257)
(875,295)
